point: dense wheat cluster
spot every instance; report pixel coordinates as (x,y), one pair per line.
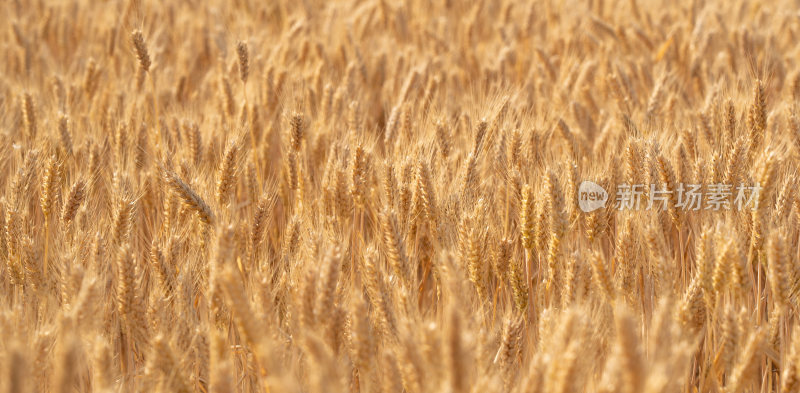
(382,196)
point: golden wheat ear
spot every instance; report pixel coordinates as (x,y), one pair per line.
(244,61)
(139,47)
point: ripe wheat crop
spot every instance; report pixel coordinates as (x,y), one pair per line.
(399,196)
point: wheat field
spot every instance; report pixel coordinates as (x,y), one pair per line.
(386,196)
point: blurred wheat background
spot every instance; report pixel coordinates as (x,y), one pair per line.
(381,196)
